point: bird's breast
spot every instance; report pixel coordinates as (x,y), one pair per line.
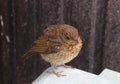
(62,57)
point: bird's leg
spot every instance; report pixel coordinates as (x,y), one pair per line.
(66,66)
(58,74)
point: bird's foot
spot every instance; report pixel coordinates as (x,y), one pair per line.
(58,74)
(66,66)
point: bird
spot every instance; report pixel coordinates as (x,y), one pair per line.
(58,45)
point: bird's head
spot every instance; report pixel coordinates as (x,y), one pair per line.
(63,33)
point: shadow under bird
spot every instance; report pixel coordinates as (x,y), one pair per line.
(58,45)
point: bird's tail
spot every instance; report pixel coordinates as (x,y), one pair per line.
(27,55)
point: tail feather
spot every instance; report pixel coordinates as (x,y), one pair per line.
(27,55)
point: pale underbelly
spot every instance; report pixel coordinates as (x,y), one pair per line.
(60,57)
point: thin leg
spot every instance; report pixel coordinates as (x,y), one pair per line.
(66,66)
(58,74)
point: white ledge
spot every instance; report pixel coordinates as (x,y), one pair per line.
(73,76)
(110,75)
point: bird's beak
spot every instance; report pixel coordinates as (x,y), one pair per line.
(77,40)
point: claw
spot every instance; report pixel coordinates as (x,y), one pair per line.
(58,74)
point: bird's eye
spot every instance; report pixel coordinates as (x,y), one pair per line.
(67,36)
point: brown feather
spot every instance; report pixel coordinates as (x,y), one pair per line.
(55,39)
(27,55)
(43,45)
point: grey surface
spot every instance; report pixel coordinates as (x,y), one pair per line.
(111,52)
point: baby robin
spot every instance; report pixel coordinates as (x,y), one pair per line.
(58,45)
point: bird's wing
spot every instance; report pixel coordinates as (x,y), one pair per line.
(44,46)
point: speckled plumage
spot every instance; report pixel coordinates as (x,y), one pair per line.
(58,45)
(64,56)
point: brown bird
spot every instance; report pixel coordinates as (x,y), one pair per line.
(58,45)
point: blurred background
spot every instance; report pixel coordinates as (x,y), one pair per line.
(22,21)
